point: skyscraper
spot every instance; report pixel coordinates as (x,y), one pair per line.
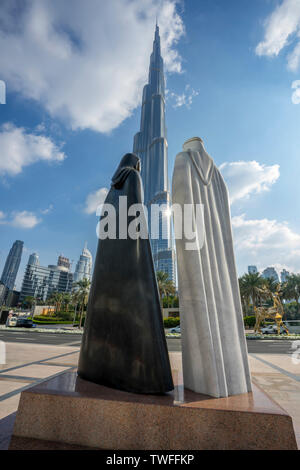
(84,266)
(41,281)
(12,264)
(252,269)
(151,145)
(63,262)
(34,259)
(269,273)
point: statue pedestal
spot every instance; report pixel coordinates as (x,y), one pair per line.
(67,412)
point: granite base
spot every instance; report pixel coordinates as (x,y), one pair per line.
(71,413)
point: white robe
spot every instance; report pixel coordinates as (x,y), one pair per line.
(214,350)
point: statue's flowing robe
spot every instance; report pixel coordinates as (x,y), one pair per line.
(214,349)
(124,343)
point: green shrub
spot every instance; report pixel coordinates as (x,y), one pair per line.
(171,322)
(250,321)
(65,315)
(46,318)
(53,322)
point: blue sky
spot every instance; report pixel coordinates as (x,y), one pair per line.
(74,78)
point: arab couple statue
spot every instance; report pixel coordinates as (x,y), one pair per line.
(124,344)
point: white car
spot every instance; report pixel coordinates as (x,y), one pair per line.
(175,330)
(11,321)
(272,330)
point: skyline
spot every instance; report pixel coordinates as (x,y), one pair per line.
(231,80)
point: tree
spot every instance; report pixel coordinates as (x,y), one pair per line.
(271,284)
(57,299)
(251,289)
(165,285)
(291,289)
(66,300)
(29,301)
(81,295)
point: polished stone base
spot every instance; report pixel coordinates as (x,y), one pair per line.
(67,412)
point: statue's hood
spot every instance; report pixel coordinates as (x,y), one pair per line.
(202,162)
(128,163)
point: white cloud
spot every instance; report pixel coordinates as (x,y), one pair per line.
(296,93)
(247,177)
(47,210)
(265,242)
(86,62)
(20,219)
(185,99)
(19,148)
(94,199)
(282,27)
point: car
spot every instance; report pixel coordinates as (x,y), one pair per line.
(24,322)
(176,329)
(272,330)
(11,321)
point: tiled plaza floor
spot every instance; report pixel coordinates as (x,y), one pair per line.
(28,364)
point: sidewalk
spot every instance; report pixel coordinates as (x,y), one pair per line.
(279,377)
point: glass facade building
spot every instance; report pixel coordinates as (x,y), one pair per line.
(151,145)
(84,266)
(40,281)
(269,273)
(12,265)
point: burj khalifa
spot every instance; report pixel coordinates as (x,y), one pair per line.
(151,145)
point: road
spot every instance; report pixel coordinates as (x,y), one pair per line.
(174,344)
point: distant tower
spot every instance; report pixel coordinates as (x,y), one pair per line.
(269,273)
(84,266)
(63,263)
(151,145)
(252,269)
(34,259)
(12,264)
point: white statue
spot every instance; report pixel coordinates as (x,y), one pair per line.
(214,350)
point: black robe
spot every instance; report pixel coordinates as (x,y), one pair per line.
(124,343)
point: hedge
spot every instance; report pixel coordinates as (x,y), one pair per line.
(250,320)
(48,320)
(171,322)
(54,322)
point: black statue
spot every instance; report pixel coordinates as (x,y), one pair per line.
(124,344)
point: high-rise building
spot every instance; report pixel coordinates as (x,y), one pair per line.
(12,264)
(34,259)
(83,268)
(151,145)
(41,281)
(284,275)
(252,269)
(269,273)
(63,262)
(3,293)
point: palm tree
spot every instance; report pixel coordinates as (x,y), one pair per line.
(291,289)
(252,289)
(271,284)
(29,301)
(57,299)
(81,294)
(165,285)
(67,299)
